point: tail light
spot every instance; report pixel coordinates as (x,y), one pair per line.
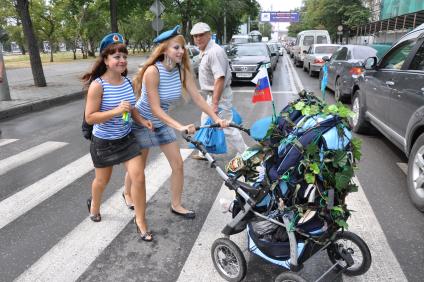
(318,61)
(356,71)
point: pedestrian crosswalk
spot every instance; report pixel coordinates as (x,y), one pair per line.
(71,257)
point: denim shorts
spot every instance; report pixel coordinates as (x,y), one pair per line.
(160,136)
(105,153)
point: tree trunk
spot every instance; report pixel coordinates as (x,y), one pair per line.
(114,15)
(51,51)
(34,52)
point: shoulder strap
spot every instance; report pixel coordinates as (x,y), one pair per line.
(129,81)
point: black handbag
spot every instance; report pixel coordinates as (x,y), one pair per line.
(87,129)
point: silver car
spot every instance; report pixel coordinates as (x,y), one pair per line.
(193,53)
(313,61)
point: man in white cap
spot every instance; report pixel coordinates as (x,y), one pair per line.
(215,81)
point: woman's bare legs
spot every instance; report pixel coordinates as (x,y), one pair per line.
(98,186)
(172,153)
(135,168)
(127,183)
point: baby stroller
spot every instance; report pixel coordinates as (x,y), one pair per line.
(269,212)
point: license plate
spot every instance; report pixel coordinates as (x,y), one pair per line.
(243,74)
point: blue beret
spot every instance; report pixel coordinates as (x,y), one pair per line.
(167,34)
(109,39)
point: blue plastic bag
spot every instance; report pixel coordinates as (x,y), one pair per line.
(212,138)
(237,119)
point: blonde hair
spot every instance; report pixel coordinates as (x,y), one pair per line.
(158,55)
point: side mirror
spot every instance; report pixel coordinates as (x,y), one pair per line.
(370,63)
(325,58)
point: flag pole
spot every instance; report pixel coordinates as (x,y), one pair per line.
(274,114)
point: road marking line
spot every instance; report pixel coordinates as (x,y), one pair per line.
(7,141)
(403,167)
(296,76)
(199,265)
(364,223)
(69,258)
(41,190)
(289,72)
(14,161)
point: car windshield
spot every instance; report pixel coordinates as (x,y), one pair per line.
(361,53)
(249,50)
(325,49)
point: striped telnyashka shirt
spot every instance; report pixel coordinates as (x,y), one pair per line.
(116,127)
(169,92)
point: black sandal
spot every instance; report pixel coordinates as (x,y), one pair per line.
(130,206)
(93,217)
(147,236)
(189,215)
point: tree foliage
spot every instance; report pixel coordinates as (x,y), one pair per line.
(328,14)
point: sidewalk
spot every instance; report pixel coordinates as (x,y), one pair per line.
(63,85)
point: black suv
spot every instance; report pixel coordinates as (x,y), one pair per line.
(391,98)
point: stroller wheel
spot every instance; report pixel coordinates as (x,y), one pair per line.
(289,277)
(228,260)
(350,252)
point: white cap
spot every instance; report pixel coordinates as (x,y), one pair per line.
(200,28)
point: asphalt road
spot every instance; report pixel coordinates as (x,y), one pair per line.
(47,235)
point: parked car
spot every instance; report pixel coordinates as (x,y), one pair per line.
(305,39)
(193,53)
(280,48)
(313,61)
(344,67)
(274,52)
(391,98)
(246,59)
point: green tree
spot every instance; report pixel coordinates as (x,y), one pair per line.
(328,14)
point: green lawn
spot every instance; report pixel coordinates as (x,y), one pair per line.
(22,61)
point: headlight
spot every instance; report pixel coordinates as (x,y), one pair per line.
(267,65)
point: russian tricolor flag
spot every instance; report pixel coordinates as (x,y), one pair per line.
(263,89)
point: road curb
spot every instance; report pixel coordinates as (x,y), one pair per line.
(37,105)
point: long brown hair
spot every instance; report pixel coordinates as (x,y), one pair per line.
(99,67)
(158,55)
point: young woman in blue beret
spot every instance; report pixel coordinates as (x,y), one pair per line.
(157,85)
(110,102)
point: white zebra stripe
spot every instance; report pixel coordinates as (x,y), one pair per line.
(7,141)
(14,161)
(41,190)
(69,258)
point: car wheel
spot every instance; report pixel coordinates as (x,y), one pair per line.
(416,173)
(338,95)
(358,122)
(311,73)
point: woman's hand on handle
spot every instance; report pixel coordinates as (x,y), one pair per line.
(222,122)
(188,129)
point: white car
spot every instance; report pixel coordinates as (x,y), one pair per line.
(313,61)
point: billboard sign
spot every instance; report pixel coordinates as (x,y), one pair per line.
(288,17)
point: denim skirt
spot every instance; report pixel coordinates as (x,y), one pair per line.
(159,136)
(105,153)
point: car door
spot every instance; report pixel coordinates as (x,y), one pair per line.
(379,84)
(335,66)
(407,90)
(308,56)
